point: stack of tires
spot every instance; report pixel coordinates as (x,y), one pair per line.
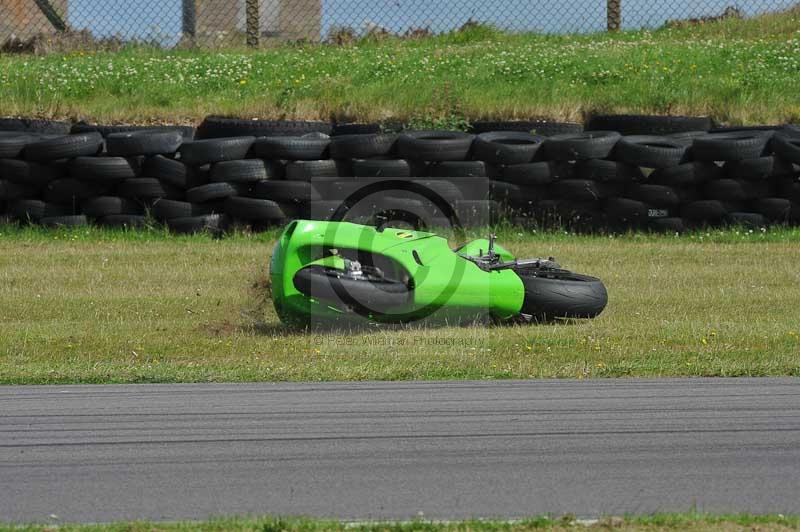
(262,173)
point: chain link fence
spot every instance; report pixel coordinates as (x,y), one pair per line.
(221,23)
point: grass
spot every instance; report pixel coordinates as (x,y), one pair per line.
(737,71)
(652,523)
(96,306)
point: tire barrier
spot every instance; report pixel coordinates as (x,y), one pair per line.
(262,173)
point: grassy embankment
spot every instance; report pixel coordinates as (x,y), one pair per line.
(107,306)
(737,71)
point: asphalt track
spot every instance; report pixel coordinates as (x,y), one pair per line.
(399,450)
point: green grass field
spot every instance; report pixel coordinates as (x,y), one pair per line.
(737,71)
(95,306)
(653,523)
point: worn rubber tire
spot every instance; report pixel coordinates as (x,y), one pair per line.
(363,146)
(545,128)
(66,147)
(187,132)
(129,221)
(650,151)
(321,170)
(216,191)
(458,169)
(253,209)
(35,126)
(787,146)
(287,191)
(146,142)
(165,209)
(580,146)
(750,220)
(506,147)
(435,145)
(171,172)
(626,212)
(30,174)
(567,295)
(713,211)
(34,210)
(659,196)
(72,191)
(577,190)
(354,128)
(649,124)
(109,205)
(757,169)
(12,144)
(102,169)
(774,209)
(199,152)
(222,127)
(731,146)
(686,175)
(148,188)
(245,171)
(381,168)
(291,148)
(667,225)
(607,171)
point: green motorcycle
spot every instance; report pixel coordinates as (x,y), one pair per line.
(337,270)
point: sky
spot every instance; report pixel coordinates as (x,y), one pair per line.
(161,19)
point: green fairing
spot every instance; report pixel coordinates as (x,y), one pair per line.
(446,285)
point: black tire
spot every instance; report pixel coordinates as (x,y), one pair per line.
(787,147)
(458,169)
(517,196)
(102,169)
(34,210)
(171,172)
(774,209)
(65,147)
(322,170)
(165,209)
(626,212)
(147,142)
(216,191)
(560,295)
(252,209)
(199,152)
(287,191)
(578,215)
(130,221)
(435,145)
(12,144)
(790,190)
(577,190)
(649,124)
(650,151)
(72,191)
(506,147)
(446,190)
(214,127)
(686,175)
(381,168)
(13,191)
(76,220)
(580,146)
(214,224)
(749,220)
(35,126)
(757,169)
(659,196)
(187,132)
(667,225)
(544,128)
(707,211)
(363,146)
(30,174)
(110,205)
(246,171)
(732,146)
(373,296)
(607,171)
(320,209)
(341,129)
(147,188)
(292,148)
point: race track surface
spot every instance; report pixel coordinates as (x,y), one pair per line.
(399,450)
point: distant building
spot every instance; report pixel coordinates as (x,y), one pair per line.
(23,19)
(210,21)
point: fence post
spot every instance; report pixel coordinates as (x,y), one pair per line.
(189,19)
(253,24)
(613,15)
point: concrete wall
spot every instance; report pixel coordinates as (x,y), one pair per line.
(22,19)
(221,20)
